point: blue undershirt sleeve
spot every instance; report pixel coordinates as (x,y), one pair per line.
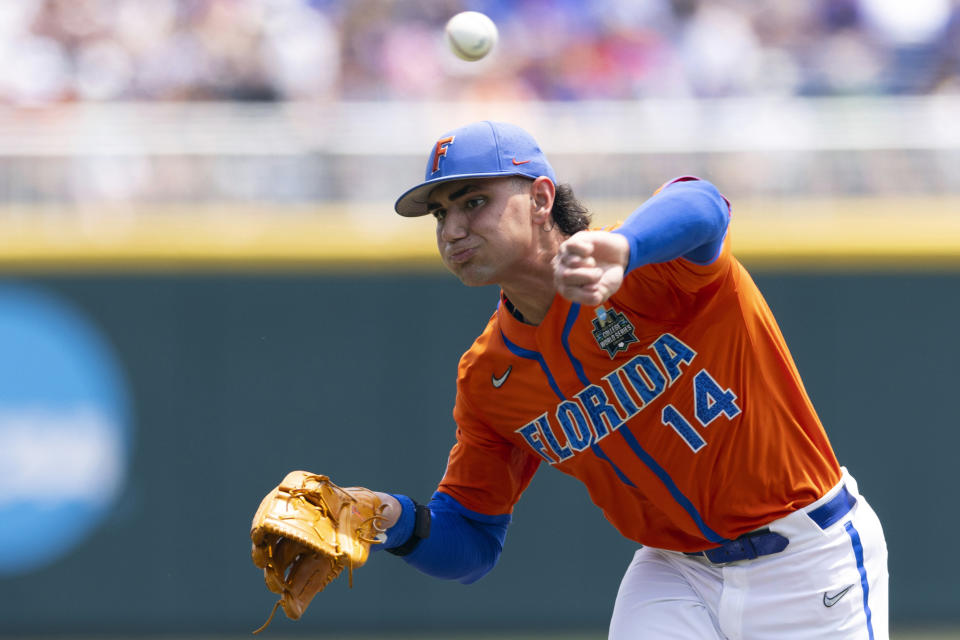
(685,219)
(463,545)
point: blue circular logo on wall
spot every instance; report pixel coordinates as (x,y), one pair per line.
(64,428)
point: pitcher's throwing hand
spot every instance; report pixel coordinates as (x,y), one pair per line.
(589,266)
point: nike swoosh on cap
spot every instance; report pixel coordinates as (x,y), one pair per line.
(516,162)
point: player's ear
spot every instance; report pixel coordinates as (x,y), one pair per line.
(542,193)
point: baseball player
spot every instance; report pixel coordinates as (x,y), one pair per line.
(643,361)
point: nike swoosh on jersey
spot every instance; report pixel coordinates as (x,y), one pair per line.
(498,382)
(830,600)
(516,162)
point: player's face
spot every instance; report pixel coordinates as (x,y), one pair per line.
(484,229)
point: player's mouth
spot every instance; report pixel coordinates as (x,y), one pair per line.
(460,255)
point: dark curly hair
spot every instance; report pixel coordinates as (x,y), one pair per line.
(569,214)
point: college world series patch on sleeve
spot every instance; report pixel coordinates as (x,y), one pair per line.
(612,331)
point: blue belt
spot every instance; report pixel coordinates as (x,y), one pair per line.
(764,542)
(830,512)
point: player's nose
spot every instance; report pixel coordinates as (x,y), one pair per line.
(454,225)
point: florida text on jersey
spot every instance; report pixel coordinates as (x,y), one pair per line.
(653,400)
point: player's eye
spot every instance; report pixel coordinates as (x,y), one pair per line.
(439,214)
(474,203)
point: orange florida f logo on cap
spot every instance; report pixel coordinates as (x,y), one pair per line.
(441,150)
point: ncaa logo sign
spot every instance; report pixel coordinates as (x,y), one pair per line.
(64,429)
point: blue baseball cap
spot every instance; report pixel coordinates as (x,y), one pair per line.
(480,150)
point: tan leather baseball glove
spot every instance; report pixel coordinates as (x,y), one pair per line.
(304,533)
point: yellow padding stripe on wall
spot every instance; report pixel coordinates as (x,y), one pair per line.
(772,234)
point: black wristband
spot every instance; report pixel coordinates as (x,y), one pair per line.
(421,529)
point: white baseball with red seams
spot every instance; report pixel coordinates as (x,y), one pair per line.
(471,35)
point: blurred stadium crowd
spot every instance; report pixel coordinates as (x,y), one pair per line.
(54,51)
(171,101)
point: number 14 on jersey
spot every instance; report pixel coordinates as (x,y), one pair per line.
(710,400)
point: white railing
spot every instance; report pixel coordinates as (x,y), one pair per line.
(348,152)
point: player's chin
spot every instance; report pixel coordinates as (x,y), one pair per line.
(471,274)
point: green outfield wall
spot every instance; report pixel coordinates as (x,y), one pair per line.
(231,379)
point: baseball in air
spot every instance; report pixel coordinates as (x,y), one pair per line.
(471,35)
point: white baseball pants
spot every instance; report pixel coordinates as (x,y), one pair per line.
(828,583)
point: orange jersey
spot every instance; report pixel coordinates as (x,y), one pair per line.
(676,403)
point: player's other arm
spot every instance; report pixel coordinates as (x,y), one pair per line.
(687,218)
(462,544)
